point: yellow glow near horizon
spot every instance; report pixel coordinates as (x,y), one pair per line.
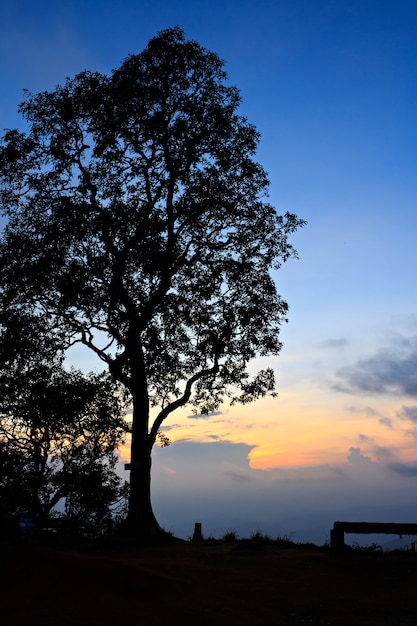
(299,429)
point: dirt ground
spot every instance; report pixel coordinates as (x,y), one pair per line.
(205,583)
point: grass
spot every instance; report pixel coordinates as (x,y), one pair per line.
(259,538)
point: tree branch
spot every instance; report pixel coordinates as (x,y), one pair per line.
(182,400)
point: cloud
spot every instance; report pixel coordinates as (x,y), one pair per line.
(214,483)
(408,413)
(367,410)
(192,459)
(203,416)
(412,432)
(356,458)
(382,452)
(237,477)
(393,371)
(404,469)
(365,438)
(386,421)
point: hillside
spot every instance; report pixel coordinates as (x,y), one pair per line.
(207,583)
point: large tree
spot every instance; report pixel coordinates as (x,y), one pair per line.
(139,226)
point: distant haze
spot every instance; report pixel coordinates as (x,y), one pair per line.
(212,483)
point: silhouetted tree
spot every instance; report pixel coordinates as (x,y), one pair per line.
(59,430)
(138,226)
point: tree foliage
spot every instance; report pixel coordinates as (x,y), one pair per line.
(59,430)
(139,226)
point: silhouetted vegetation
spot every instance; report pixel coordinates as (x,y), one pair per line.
(259,539)
(138,226)
(59,430)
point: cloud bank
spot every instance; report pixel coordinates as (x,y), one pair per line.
(212,483)
(392,370)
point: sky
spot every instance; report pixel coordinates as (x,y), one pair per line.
(331,85)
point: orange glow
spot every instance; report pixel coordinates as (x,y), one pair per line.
(124,450)
(300,429)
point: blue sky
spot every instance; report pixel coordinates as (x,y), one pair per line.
(332,88)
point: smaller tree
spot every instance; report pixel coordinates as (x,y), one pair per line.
(59,430)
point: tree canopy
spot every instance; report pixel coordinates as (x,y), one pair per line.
(59,429)
(138,225)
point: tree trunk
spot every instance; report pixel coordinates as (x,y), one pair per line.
(141,522)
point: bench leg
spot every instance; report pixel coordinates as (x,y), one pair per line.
(337,540)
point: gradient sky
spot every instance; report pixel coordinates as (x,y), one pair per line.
(332,88)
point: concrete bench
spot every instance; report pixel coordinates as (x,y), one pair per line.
(337,534)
